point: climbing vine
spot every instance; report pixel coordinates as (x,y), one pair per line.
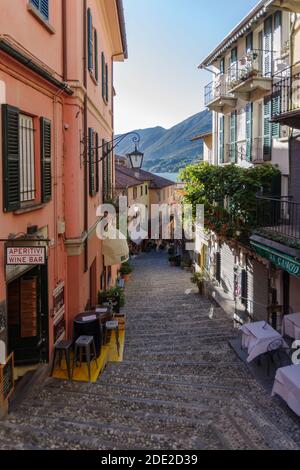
(228,194)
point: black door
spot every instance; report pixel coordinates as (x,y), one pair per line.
(27,312)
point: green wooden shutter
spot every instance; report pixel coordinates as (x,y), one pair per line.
(276,109)
(233,135)
(97,162)
(91,161)
(267,129)
(11,158)
(46,154)
(268,46)
(103,75)
(90,40)
(221,140)
(249,131)
(96,59)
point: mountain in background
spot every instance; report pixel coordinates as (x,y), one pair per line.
(169,150)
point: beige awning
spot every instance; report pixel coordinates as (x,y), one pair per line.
(115,251)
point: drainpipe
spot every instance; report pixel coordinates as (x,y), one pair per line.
(64,40)
(85,134)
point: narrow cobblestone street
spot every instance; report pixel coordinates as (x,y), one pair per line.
(180,386)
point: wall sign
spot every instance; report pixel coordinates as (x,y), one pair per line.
(281,260)
(7,378)
(25,255)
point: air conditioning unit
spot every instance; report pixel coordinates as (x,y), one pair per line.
(61,227)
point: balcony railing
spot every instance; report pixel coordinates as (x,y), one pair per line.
(216,89)
(247,67)
(286,91)
(279,217)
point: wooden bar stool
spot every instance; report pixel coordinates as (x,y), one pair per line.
(60,349)
(85,345)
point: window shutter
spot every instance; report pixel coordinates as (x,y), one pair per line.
(103,75)
(97,162)
(276,109)
(91,162)
(46,151)
(11,158)
(96,56)
(44,7)
(233,132)
(221,137)
(90,40)
(267,129)
(268,54)
(249,131)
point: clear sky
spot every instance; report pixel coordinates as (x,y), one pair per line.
(159,84)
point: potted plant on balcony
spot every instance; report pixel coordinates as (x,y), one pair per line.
(125,271)
(115,295)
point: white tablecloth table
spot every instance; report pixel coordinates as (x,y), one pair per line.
(291,325)
(256,337)
(287,385)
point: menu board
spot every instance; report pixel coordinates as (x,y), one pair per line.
(7,378)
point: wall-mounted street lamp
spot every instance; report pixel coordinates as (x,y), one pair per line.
(135,157)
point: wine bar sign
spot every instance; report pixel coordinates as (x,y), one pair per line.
(25,255)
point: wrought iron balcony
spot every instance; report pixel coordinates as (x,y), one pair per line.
(217,96)
(286,97)
(248,75)
(279,218)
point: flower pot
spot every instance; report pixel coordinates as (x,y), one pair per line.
(125,277)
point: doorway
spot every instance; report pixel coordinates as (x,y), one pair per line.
(27,317)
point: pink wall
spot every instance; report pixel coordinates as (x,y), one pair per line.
(34,96)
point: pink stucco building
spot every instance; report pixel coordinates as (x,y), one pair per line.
(56,95)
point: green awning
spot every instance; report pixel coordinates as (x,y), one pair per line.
(281,260)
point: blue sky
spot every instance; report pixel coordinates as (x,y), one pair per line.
(160,85)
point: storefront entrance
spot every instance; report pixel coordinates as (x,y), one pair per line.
(27,316)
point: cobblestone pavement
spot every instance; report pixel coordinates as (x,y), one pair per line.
(180,386)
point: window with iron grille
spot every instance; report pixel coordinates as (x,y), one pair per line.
(27,166)
(42,6)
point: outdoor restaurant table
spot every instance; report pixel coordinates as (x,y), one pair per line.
(291,325)
(89,324)
(256,337)
(287,385)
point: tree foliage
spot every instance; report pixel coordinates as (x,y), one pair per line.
(228,194)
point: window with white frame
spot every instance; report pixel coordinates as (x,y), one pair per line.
(27,166)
